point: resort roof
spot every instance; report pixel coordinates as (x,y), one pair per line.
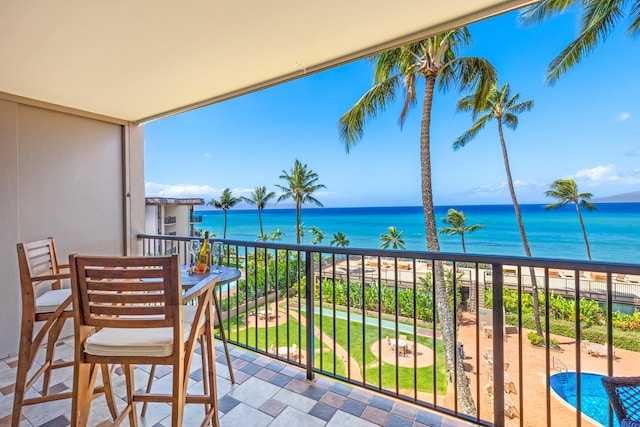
(139,61)
(173,201)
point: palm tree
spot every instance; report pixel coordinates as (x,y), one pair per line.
(318,235)
(339,240)
(501,106)
(226,202)
(393,238)
(458,223)
(301,184)
(566,191)
(276,235)
(597,21)
(259,198)
(396,72)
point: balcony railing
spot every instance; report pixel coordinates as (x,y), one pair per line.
(195,219)
(370,318)
(169,220)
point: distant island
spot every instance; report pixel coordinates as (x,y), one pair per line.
(632,197)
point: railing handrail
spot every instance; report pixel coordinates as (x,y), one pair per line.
(522,261)
(259,290)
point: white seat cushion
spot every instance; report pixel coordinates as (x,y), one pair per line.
(153,342)
(49,301)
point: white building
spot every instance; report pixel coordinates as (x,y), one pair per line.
(170,216)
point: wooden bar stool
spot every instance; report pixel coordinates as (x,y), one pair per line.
(129,311)
(43,300)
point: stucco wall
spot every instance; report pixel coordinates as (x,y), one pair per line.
(62,175)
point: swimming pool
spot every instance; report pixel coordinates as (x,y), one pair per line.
(593,398)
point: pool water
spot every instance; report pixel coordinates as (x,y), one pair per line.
(593,397)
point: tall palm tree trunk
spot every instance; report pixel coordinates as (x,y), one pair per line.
(298,222)
(224,231)
(584,231)
(260,221)
(464,248)
(447,319)
(523,235)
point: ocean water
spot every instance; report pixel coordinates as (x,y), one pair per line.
(613,230)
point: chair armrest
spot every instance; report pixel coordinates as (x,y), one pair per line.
(199,289)
(63,266)
(51,277)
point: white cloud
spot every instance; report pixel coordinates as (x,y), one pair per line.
(598,174)
(520,185)
(207,155)
(623,116)
(605,174)
(153,189)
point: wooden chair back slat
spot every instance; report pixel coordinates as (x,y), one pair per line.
(124,286)
(128,298)
(36,259)
(120,292)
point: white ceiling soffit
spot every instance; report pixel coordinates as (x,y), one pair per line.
(144,59)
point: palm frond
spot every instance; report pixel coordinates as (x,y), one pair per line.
(477,74)
(450,231)
(634,14)
(376,99)
(510,120)
(588,205)
(409,97)
(555,205)
(471,133)
(466,103)
(474,227)
(385,64)
(522,107)
(596,24)
(540,11)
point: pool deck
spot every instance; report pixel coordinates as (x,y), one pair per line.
(532,390)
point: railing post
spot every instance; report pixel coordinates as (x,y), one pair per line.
(310,313)
(498,344)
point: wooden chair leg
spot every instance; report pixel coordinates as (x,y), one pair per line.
(179,395)
(52,339)
(84,378)
(108,391)
(224,338)
(24,363)
(152,372)
(205,369)
(211,372)
(131,389)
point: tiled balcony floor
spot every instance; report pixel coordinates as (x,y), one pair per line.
(268,393)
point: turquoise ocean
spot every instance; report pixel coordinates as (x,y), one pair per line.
(613,230)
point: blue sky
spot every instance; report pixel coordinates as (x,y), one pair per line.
(586,127)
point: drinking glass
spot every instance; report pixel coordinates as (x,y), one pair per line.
(194,250)
(218,253)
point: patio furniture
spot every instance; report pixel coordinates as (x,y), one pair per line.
(509,386)
(624,397)
(129,311)
(510,409)
(43,300)
(400,346)
(597,350)
(228,274)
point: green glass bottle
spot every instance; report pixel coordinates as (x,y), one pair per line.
(204,257)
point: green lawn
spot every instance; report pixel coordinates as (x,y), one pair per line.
(360,354)
(263,338)
(277,337)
